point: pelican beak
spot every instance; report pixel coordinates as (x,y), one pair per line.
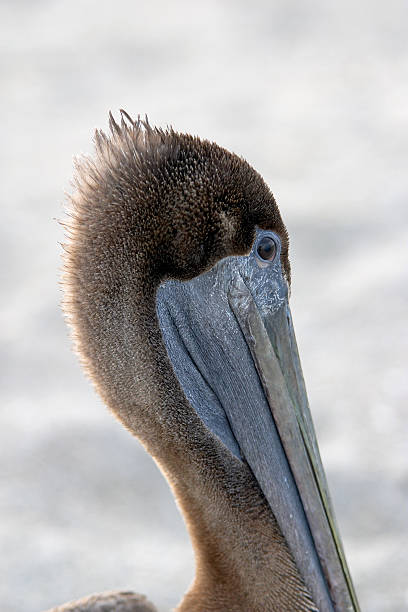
(271,339)
(230,338)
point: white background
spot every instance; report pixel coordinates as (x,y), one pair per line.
(315,96)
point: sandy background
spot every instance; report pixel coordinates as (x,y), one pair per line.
(315,96)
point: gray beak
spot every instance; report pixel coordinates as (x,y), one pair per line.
(230,338)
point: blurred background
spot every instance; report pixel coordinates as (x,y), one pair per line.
(315,96)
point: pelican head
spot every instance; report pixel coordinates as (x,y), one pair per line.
(176,286)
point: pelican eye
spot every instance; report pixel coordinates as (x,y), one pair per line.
(267,248)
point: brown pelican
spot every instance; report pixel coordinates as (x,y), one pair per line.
(176,287)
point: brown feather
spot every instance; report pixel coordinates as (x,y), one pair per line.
(153,205)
